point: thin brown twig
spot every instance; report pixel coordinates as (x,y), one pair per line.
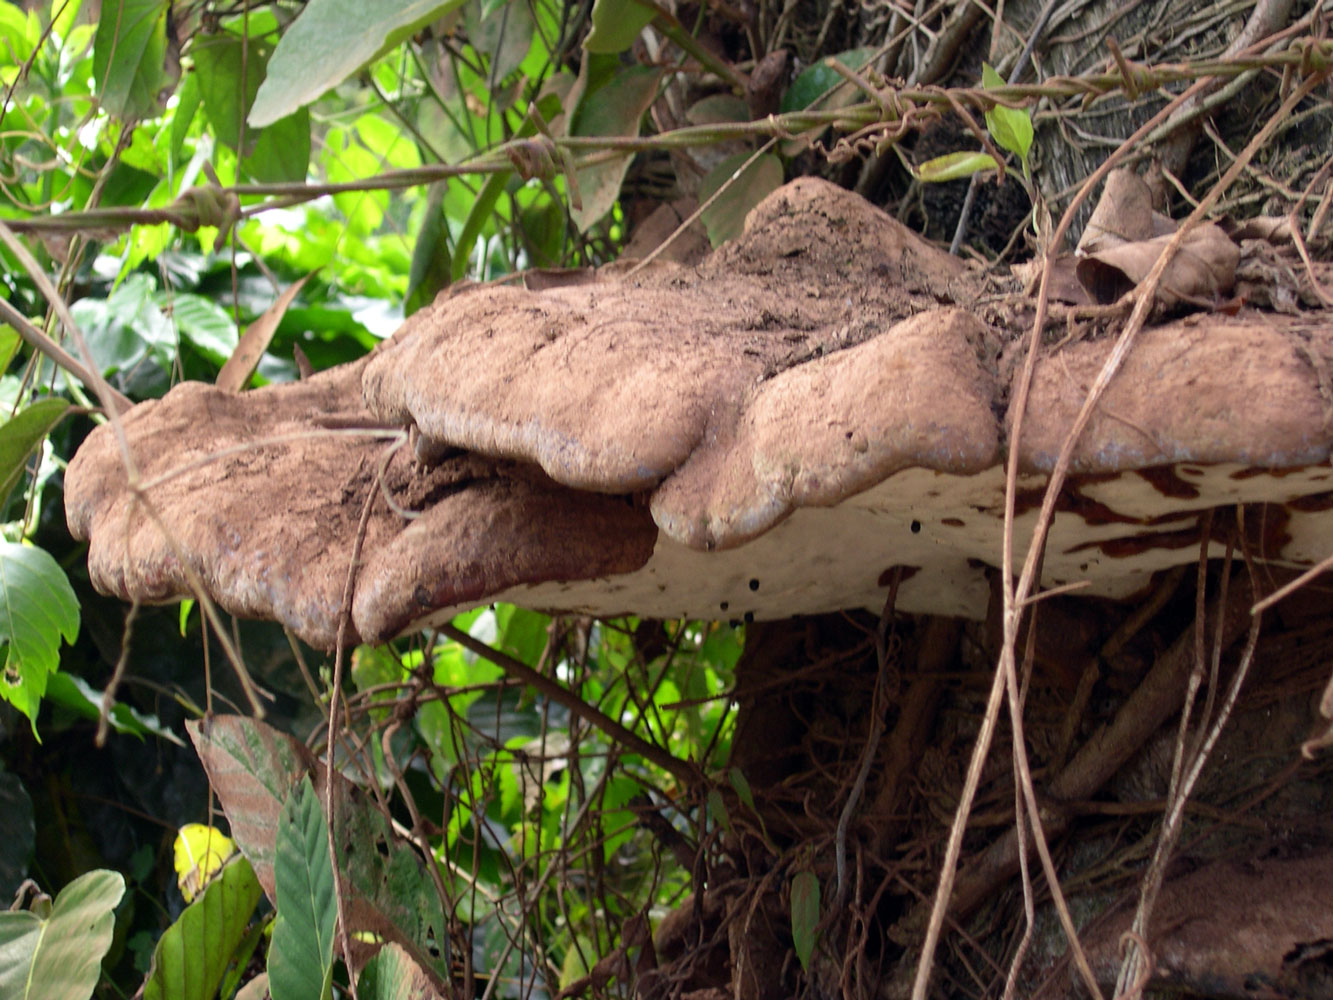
(1136,957)
(335,702)
(34,337)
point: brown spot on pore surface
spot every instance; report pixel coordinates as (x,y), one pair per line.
(1167,482)
(1264,527)
(1313,503)
(886,577)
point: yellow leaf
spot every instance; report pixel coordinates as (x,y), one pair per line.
(200,851)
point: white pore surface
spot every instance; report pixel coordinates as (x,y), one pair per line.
(949,529)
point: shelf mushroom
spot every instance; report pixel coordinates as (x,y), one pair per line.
(815,410)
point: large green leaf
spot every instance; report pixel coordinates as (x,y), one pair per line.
(37,607)
(503,31)
(251,768)
(432,261)
(329,42)
(192,956)
(725,218)
(819,78)
(389,892)
(19,436)
(282,152)
(129,337)
(132,65)
(229,70)
(392,975)
(300,960)
(616,23)
(203,323)
(614,109)
(76,695)
(60,957)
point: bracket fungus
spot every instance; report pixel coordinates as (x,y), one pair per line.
(771,432)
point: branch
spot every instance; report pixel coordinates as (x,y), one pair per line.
(39,341)
(684,771)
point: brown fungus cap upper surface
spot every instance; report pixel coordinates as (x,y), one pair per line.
(612,385)
(260,496)
(812,414)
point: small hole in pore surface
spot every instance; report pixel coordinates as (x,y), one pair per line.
(749,617)
(754,584)
(724,605)
(916,527)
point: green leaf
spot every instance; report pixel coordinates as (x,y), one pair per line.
(15,34)
(230,70)
(614,109)
(503,31)
(543,225)
(128,335)
(717,808)
(432,262)
(282,152)
(392,975)
(953,166)
(131,63)
(188,102)
(60,957)
(20,435)
(76,695)
(817,80)
(300,959)
(742,786)
(482,209)
(9,345)
(616,23)
(804,915)
(395,895)
(37,608)
(725,218)
(522,633)
(1011,128)
(717,109)
(192,956)
(238,968)
(202,323)
(330,41)
(251,767)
